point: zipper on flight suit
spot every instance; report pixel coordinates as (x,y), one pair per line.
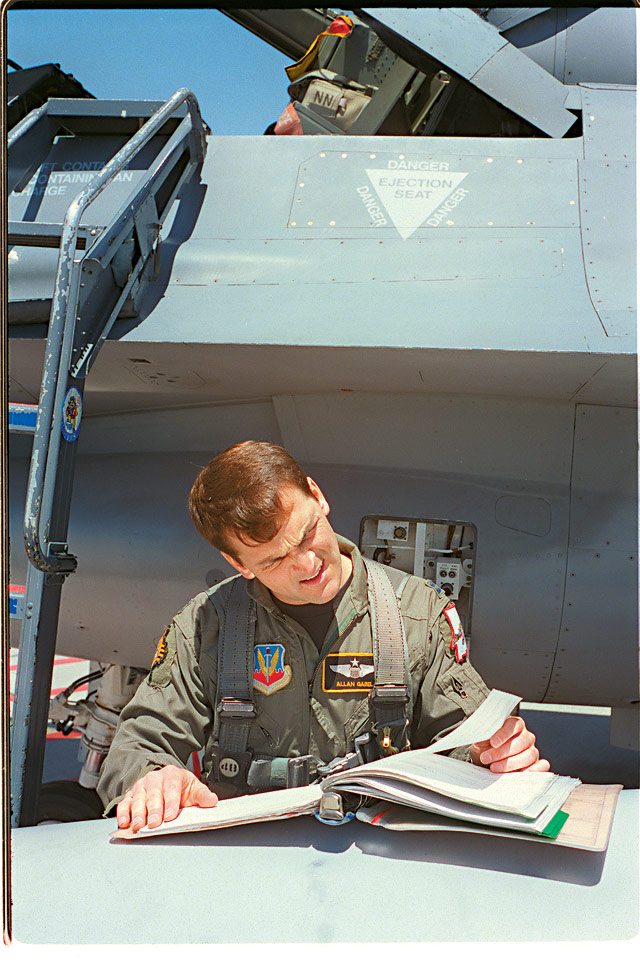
(293,633)
(327,647)
(458,687)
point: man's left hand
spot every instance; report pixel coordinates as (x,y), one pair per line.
(511,748)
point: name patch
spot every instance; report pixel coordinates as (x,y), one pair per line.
(347,672)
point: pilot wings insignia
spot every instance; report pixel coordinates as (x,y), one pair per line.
(354,670)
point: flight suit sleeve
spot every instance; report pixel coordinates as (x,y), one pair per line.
(449,688)
(168,718)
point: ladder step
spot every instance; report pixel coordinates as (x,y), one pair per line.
(22,417)
(32,234)
(16,601)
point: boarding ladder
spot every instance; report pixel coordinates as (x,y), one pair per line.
(102,267)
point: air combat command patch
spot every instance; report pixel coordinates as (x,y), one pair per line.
(270,673)
(347,672)
(160,672)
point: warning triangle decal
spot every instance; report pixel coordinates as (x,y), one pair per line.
(410,198)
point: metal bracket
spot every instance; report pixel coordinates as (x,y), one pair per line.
(331,810)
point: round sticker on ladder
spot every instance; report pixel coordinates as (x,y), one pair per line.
(71,413)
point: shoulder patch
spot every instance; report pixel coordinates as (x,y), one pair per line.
(160,672)
(270,672)
(458,641)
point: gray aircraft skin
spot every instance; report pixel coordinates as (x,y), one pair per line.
(434,311)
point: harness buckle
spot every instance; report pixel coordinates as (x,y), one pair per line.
(231,710)
(384,695)
(229,772)
(388,704)
(298,771)
(338,764)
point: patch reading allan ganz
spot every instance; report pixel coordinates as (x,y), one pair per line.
(347,672)
(160,672)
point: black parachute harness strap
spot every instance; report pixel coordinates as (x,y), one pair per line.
(233,769)
(390,698)
(235,708)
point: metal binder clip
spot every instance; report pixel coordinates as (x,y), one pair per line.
(330,810)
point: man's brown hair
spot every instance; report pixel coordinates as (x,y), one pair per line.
(240,491)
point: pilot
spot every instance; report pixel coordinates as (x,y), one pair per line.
(293,643)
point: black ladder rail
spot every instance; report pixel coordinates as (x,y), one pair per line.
(52,464)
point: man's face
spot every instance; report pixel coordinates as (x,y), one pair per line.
(302,563)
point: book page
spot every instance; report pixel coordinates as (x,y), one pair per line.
(482,723)
(420,799)
(524,794)
(272,805)
(590,807)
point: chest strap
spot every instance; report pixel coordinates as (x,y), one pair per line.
(390,699)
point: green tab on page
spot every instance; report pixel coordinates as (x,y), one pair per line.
(555,825)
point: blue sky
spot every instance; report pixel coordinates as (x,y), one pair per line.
(148,54)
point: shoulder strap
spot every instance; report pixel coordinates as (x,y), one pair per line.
(235,707)
(390,655)
(391,695)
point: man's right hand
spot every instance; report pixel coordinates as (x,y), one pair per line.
(160,795)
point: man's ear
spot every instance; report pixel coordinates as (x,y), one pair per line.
(319,496)
(238,566)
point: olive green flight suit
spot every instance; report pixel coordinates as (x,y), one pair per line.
(313,708)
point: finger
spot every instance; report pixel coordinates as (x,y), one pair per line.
(540,766)
(510,728)
(173,790)
(195,793)
(203,796)
(138,808)
(510,748)
(155,804)
(517,762)
(123,812)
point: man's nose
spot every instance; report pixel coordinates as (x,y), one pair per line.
(305,559)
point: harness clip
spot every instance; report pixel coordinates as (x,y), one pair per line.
(337,765)
(298,771)
(392,736)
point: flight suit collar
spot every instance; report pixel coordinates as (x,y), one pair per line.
(357,592)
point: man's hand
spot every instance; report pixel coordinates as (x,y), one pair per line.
(511,748)
(160,795)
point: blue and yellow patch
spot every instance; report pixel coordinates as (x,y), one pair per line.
(270,672)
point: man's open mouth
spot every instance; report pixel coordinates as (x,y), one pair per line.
(316,577)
